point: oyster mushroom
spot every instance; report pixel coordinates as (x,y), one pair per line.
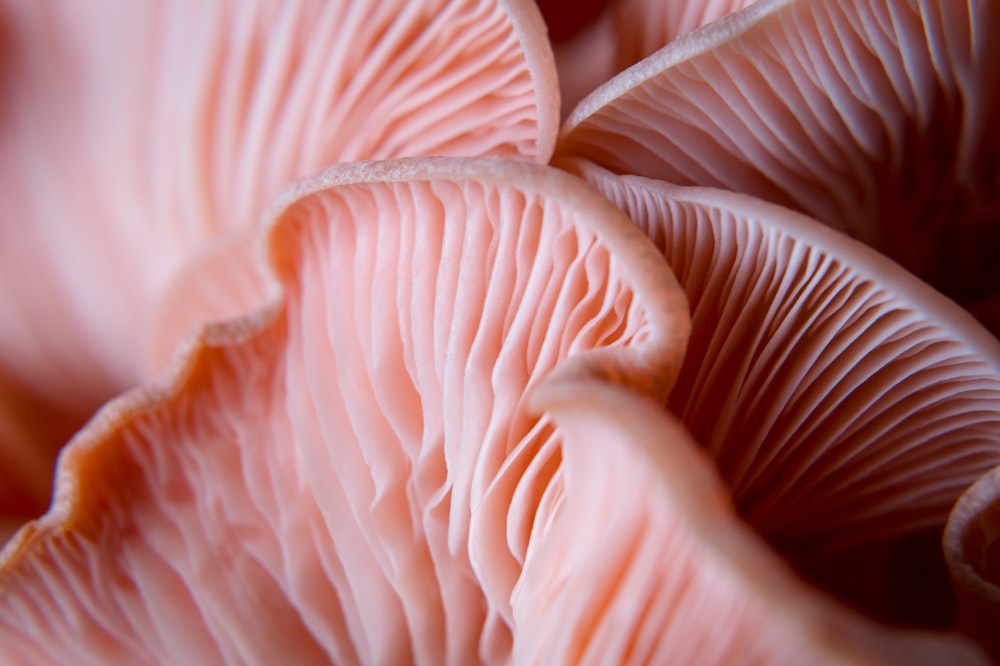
(133,136)
(352,474)
(642,559)
(847,404)
(876,117)
(592,46)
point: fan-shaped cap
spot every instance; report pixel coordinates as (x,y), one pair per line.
(626,32)
(353,474)
(972,548)
(845,402)
(134,134)
(642,559)
(876,117)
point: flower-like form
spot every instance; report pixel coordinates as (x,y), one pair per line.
(137,137)
(875,117)
(354,474)
(475,409)
(846,404)
(694,584)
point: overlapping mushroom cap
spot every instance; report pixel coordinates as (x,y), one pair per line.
(588,53)
(341,478)
(846,403)
(876,117)
(671,574)
(353,474)
(136,137)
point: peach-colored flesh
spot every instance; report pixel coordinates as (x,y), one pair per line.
(351,475)
(640,558)
(877,117)
(627,32)
(846,403)
(224,281)
(135,134)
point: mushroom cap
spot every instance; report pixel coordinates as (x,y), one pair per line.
(351,474)
(846,403)
(133,136)
(875,117)
(627,31)
(641,558)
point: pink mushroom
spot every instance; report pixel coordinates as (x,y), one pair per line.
(137,137)
(353,474)
(591,48)
(876,117)
(847,404)
(438,427)
(695,584)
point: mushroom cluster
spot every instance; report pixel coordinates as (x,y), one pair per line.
(396,332)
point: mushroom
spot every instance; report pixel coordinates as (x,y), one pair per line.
(875,117)
(642,559)
(847,404)
(135,138)
(353,473)
(591,46)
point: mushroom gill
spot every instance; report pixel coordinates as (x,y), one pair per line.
(642,559)
(351,475)
(876,117)
(623,34)
(134,135)
(846,404)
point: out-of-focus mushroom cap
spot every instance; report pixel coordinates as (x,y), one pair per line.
(225,281)
(351,474)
